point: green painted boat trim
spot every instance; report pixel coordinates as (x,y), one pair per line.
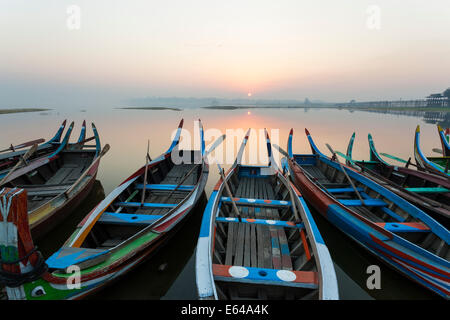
(393,157)
(345,157)
(428,190)
(148,237)
(57,294)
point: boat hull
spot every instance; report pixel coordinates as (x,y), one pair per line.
(129,265)
(394,251)
(55,217)
(107,275)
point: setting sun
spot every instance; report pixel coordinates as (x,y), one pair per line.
(249,94)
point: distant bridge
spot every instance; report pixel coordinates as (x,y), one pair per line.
(419,103)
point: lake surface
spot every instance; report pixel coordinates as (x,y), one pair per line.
(170,273)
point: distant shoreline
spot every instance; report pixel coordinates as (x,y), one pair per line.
(21,110)
(151,108)
(265,107)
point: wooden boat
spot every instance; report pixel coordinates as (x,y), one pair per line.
(119,233)
(429,192)
(10,156)
(395,231)
(444,135)
(438,165)
(57,182)
(261,241)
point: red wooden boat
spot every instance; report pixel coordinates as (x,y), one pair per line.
(429,192)
(388,226)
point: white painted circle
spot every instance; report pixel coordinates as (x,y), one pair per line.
(286,275)
(229,219)
(271,221)
(251,200)
(283,202)
(238,272)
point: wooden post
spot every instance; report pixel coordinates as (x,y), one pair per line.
(16,245)
(227,189)
(145,174)
(346,175)
(408,162)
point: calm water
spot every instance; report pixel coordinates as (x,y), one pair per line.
(170,273)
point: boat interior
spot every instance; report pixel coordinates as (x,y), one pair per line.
(167,186)
(375,208)
(53,178)
(8,160)
(266,241)
(413,183)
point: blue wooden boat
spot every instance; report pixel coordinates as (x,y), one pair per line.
(392,229)
(258,239)
(444,136)
(438,165)
(10,156)
(429,192)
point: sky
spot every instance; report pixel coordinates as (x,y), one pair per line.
(104,52)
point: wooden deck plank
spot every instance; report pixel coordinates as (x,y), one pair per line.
(253,252)
(259,231)
(267,243)
(232,229)
(60,175)
(240,238)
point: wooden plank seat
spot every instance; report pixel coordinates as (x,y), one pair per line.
(392,214)
(127,218)
(257,202)
(331,185)
(82,257)
(44,193)
(45,190)
(405,226)
(342,190)
(286,224)
(165,187)
(384,209)
(146,205)
(429,190)
(367,202)
(62,174)
(251,275)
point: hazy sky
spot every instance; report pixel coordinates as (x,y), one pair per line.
(329,50)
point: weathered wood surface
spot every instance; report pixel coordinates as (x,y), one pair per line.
(256,245)
(174,176)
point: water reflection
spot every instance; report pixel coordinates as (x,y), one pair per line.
(432,117)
